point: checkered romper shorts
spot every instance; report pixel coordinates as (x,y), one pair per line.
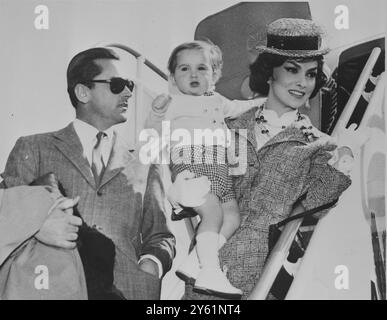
(209,161)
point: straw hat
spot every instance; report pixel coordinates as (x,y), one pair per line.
(298,38)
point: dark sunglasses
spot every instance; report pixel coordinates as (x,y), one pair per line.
(117,85)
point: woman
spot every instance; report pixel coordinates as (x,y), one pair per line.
(284,163)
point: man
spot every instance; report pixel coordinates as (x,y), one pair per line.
(119,197)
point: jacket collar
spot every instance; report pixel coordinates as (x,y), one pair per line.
(67,142)
(247,121)
(290,134)
(120,158)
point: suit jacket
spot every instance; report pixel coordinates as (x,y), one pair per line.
(30,269)
(127,206)
(287,167)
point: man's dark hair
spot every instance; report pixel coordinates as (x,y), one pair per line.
(261,70)
(83,67)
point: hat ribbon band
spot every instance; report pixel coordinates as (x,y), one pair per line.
(293,42)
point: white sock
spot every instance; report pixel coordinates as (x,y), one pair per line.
(207,249)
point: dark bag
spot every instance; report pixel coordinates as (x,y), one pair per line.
(297,249)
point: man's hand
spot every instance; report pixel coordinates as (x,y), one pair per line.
(61,228)
(149,266)
(188,191)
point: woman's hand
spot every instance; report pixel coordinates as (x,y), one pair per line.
(353,138)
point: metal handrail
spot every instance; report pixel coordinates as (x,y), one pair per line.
(281,249)
(137,55)
(378,97)
(377,93)
(357,91)
(276,259)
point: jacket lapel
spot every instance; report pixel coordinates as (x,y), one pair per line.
(246,122)
(120,158)
(68,143)
(289,134)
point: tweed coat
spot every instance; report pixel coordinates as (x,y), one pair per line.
(127,206)
(287,167)
(23,210)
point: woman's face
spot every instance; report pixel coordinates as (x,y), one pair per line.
(292,84)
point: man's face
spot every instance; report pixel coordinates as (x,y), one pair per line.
(106,108)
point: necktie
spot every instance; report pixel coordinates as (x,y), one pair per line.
(98,165)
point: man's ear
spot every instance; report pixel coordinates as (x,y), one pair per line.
(82,93)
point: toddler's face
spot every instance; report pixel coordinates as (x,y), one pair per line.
(193,74)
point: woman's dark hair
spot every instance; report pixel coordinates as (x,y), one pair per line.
(261,70)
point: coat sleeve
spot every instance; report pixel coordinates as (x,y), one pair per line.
(15,226)
(324,183)
(22,166)
(157,240)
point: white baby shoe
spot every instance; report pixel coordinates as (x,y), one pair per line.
(190,269)
(213,281)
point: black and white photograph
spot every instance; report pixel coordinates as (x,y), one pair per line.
(192,150)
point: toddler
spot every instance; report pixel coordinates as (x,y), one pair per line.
(197,115)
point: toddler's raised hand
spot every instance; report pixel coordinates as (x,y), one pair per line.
(160,103)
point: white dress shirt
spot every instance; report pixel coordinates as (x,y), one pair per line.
(88,136)
(274,124)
